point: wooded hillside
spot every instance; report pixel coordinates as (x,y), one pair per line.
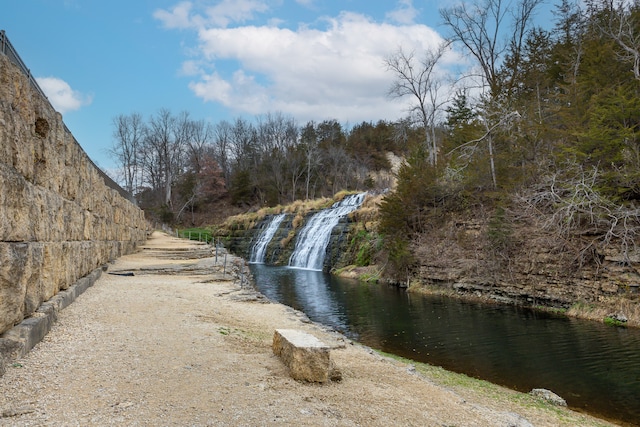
(542,129)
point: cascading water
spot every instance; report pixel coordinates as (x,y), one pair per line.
(259,249)
(312,241)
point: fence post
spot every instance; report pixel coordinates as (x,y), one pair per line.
(224,269)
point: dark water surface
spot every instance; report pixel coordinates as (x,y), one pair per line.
(594,367)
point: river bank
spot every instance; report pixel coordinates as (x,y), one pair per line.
(181,342)
(607,307)
(456,258)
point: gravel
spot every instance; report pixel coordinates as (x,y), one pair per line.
(180,344)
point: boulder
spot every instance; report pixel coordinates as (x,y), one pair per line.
(618,317)
(549,396)
(307,357)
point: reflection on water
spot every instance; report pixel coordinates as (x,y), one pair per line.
(593,366)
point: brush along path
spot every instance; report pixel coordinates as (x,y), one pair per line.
(179,343)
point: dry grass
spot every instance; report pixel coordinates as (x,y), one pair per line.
(341,195)
(246,221)
(297,221)
(299,208)
(305,206)
(285,242)
(368,214)
(606,307)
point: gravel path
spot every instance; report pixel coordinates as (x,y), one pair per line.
(181,344)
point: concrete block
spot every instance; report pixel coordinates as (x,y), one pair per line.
(307,357)
(19,340)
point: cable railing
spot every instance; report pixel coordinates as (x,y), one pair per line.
(7,49)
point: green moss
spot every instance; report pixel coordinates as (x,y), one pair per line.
(614,322)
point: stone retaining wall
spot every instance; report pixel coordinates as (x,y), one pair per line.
(58,219)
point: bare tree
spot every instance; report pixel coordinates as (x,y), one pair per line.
(277,132)
(128,134)
(201,135)
(569,204)
(469,148)
(222,147)
(480,28)
(337,165)
(419,80)
(165,139)
(621,24)
(309,145)
(277,138)
(244,146)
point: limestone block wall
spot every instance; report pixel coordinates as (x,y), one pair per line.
(58,219)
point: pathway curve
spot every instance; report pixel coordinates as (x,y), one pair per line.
(181,344)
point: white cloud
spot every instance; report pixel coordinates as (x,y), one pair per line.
(178,17)
(230,11)
(190,68)
(333,69)
(222,14)
(61,96)
(404,14)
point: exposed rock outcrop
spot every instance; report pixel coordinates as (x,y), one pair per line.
(533,270)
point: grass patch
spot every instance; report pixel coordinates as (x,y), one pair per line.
(553,310)
(370,277)
(199,234)
(582,306)
(368,274)
(496,396)
(285,241)
(614,322)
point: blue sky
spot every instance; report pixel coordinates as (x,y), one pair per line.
(216,59)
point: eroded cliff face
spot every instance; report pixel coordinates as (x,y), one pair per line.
(58,219)
(532,267)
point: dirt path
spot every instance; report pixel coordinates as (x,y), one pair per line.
(179,344)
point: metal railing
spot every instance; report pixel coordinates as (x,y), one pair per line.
(7,49)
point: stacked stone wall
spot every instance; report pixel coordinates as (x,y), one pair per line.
(58,219)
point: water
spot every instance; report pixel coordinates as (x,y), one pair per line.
(259,249)
(594,367)
(312,240)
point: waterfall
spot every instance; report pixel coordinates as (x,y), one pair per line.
(259,249)
(313,239)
